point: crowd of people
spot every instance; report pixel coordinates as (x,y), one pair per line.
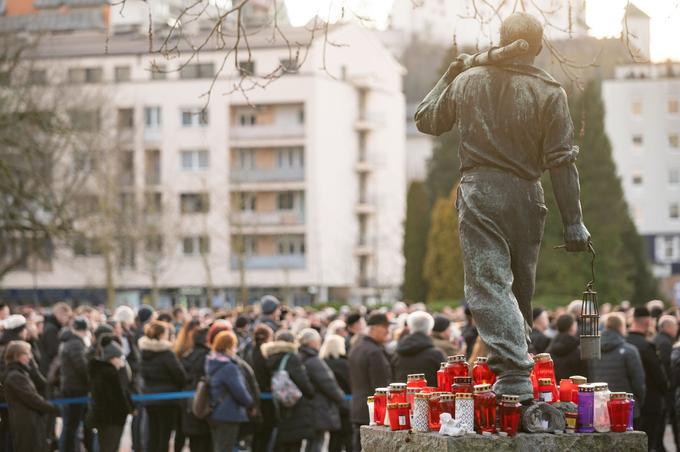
(98,360)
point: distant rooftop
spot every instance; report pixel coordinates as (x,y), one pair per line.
(55,21)
(649,71)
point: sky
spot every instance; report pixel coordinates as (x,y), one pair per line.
(603,18)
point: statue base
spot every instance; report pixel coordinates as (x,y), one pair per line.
(381,439)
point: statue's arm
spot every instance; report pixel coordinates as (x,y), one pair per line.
(436,113)
(559,157)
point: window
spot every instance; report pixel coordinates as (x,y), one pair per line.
(247,202)
(637,140)
(152,117)
(673,106)
(195,160)
(126,168)
(84,120)
(674,140)
(636,108)
(126,118)
(290,245)
(245,245)
(637,179)
(290,158)
(126,205)
(85,75)
(37,77)
(194,203)
(126,252)
(152,167)
(193,118)
(86,246)
(301,116)
(674,211)
(158,72)
(121,74)
(285,200)
(199,70)
(196,245)
(290,66)
(153,202)
(674,176)
(246,159)
(668,248)
(153,244)
(247,118)
(246,68)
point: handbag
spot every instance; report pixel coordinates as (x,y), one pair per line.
(284,390)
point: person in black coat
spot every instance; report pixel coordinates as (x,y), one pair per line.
(329,396)
(333,352)
(162,372)
(369,368)
(263,430)
(668,331)
(416,352)
(28,410)
(111,401)
(193,362)
(565,351)
(539,341)
(651,419)
(49,339)
(294,424)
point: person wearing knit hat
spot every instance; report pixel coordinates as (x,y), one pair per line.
(441,336)
(355,326)
(145,313)
(14,323)
(271,308)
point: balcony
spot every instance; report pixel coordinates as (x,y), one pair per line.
(363,166)
(275,218)
(368,121)
(274,262)
(267,175)
(267,131)
(152,135)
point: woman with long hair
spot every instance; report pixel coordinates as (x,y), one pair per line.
(333,352)
(197,430)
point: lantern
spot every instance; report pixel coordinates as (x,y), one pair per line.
(590,318)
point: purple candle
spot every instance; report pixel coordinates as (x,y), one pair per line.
(631,400)
(586,403)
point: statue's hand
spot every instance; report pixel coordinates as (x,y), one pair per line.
(458,65)
(576,237)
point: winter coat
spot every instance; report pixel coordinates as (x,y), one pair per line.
(73,375)
(675,376)
(193,363)
(110,392)
(444,344)
(539,342)
(566,355)
(329,396)
(294,423)
(271,323)
(37,377)
(49,342)
(417,354)
(664,347)
(133,357)
(369,368)
(161,370)
(620,367)
(261,369)
(229,396)
(655,375)
(28,410)
(252,387)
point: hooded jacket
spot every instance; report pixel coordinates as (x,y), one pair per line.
(566,355)
(161,370)
(49,342)
(294,423)
(417,354)
(656,381)
(111,401)
(369,368)
(621,367)
(329,396)
(74,377)
(229,396)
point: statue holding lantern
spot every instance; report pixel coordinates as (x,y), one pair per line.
(514,124)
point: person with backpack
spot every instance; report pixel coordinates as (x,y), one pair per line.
(294,422)
(193,361)
(229,397)
(263,430)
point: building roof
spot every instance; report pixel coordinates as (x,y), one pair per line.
(55,21)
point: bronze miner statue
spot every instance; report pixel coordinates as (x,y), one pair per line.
(514,124)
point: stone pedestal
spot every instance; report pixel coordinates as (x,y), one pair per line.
(381,439)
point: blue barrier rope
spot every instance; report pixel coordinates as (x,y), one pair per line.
(141,398)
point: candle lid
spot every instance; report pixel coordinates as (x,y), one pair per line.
(455,359)
(600,386)
(586,388)
(392,406)
(544,381)
(382,391)
(397,386)
(423,395)
(415,377)
(482,388)
(542,357)
(482,359)
(403,405)
(462,380)
(369,399)
(507,398)
(447,397)
(464,396)
(619,396)
(443,365)
(630,395)
(578,379)
(413,390)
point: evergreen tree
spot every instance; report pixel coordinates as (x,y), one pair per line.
(621,270)
(415,242)
(443,262)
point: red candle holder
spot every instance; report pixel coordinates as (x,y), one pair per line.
(397,393)
(399,418)
(441,377)
(380,405)
(416,381)
(485,409)
(566,388)
(481,374)
(510,413)
(433,411)
(547,391)
(619,410)
(462,384)
(577,380)
(544,367)
(447,403)
(456,367)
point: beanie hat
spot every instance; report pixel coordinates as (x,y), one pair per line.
(144,313)
(441,323)
(112,350)
(353,318)
(104,328)
(269,304)
(15,322)
(80,323)
(536,312)
(241,321)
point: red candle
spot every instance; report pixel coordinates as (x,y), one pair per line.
(447,403)
(397,393)
(534,383)
(577,380)
(462,384)
(510,411)
(441,377)
(416,381)
(456,367)
(380,405)
(398,413)
(485,409)
(481,374)
(546,391)
(619,409)
(544,367)
(433,411)
(566,388)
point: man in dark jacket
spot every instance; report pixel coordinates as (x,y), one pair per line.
(668,331)
(416,352)
(652,414)
(75,382)
(620,365)
(369,368)
(271,309)
(329,396)
(294,423)
(565,351)
(49,339)
(539,341)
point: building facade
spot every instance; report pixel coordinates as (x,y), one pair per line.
(642,107)
(296,189)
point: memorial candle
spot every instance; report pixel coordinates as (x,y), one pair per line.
(586,401)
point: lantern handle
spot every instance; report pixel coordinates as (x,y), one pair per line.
(592,265)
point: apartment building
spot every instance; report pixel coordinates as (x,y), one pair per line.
(296,189)
(642,105)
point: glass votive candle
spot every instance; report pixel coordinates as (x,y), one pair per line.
(546,391)
(397,393)
(481,374)
(441,377)
(619,411)
(485,409)
(465,411)
(570,418)
(380,405)
(416,381)
(434,410)
(586,402)
(631,401)
(510,413)
(462,384)
(576,380)
(601,422)
(447,403)
(420,410)
(370,401)
(398,414)
(544,367)
(566,388)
